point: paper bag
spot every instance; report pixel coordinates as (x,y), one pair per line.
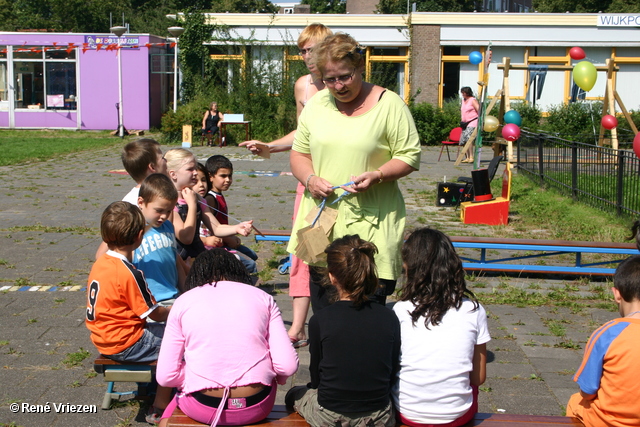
(311,244)
(264,150)
(326,220)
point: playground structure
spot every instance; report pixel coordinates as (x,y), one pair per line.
(611,97)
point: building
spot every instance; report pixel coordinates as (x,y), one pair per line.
(70,81)
(425,55)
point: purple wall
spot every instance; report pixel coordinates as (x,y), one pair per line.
(98,86)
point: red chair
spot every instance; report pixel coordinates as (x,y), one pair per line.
(454,139)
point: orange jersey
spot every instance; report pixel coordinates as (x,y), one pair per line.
(610,370)
(118,301)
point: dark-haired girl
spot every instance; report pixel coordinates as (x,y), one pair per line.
(444,336)
(354,346)
(225,347)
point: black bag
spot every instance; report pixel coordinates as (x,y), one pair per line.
(463,125)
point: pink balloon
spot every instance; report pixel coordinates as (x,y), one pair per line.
(636,144)
(577,53)
(511,132)
(609,122)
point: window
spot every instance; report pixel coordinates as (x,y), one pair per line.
(45,78)
(4,94)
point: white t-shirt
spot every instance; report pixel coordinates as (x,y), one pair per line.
(132,196)
(433,383)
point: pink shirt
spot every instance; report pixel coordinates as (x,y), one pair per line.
(467,112)
(224,335)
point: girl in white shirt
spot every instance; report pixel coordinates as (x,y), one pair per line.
(444,334)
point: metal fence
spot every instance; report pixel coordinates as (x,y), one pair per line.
(598,176)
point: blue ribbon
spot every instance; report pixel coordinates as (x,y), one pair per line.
(324,201)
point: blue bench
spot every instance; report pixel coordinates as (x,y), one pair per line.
(140,373)
(512,263)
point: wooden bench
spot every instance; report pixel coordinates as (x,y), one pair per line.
(543,248)
(141,373)
(281,417)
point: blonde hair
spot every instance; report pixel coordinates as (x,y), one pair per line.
(313,32)
(177,157)
(338,47)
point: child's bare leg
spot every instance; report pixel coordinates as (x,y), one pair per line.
(163,397)
(300,310)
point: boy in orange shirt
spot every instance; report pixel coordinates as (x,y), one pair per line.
(608,375)
(118,299)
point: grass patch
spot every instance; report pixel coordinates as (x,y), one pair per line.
(76,359)
(39,145)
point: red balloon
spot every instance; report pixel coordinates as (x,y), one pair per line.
(636,144)
(511,132)
(609,122)
(577,53)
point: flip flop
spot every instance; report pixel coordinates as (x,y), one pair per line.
(300,343)
(154,415)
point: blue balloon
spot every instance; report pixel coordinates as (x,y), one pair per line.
(512,116)
(475,57)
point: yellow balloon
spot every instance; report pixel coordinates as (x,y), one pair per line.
(491,123)
(585,75)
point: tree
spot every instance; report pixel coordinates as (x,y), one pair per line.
(243,6)
(400,6)
(573,6)
(327,6)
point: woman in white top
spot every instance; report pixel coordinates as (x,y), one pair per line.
(444,334)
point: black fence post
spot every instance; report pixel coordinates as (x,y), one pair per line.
(620,182)
(574,169)
(540,139)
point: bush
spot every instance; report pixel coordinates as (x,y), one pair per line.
(578,121)
(433,123)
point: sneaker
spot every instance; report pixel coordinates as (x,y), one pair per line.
(154,415)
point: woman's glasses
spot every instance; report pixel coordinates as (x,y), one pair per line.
(331,81)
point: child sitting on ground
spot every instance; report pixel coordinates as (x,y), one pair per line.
(444,334)
(608,375)
(225,347)
(157,256)
(188,214)
(140,159)
(220,171)
(354,345)
(118,299)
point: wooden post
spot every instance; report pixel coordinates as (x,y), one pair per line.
(187,132)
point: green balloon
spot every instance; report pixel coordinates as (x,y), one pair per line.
(585,75)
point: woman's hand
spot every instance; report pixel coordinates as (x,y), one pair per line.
(244,228)
(251,146)
(319,187)
(363,181)
(190,196)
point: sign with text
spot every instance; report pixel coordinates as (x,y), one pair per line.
(126,41)
(618,20)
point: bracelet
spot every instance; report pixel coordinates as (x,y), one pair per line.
(381,176)
(306,184)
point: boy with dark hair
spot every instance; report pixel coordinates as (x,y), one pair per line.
(157,255)
(220,171)
(118,299)
(608,375)
(141,158)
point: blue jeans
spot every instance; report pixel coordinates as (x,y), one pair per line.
(247,257)
(146,349)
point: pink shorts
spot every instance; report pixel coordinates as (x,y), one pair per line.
(230,417)
(462,420)
(299,272)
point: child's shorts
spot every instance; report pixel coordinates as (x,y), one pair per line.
(146,349)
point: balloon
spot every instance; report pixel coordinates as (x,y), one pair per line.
(577,53)
(475,57)
(510,132)
(636,144)
(585,75)
(491,123)
(609,122)
(512,116)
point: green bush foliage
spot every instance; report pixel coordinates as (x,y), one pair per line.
(578,121)
(433,123)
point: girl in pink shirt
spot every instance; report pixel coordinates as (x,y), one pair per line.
(225,346)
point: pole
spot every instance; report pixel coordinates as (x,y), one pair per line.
(120,116)
(175,76)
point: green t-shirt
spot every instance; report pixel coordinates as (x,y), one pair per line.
(342,147)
